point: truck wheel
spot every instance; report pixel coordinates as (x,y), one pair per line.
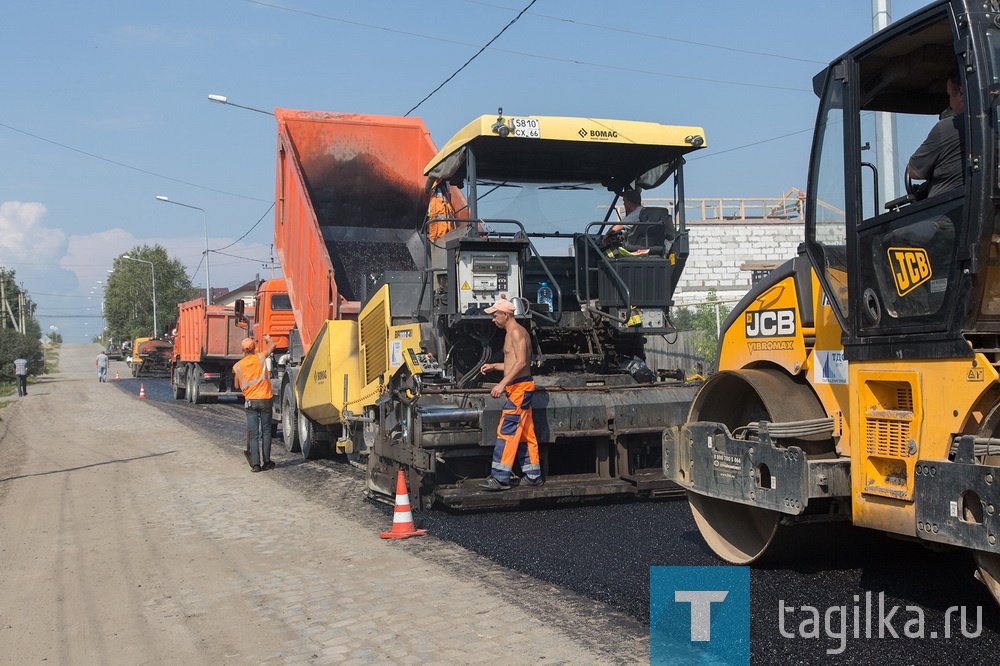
(738,533)
(180,387)
(196,392)
(307,437)
(289,424)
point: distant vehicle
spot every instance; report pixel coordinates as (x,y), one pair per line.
(206,346)
(113,352)
(151,357)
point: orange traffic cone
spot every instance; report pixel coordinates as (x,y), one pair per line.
(117,378)
(142,391)
(402,519)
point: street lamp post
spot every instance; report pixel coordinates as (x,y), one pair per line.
(208,272)
(156,329)
(222,99)
(99,288)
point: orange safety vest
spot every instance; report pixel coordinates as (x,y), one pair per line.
(251,374)
(439,206)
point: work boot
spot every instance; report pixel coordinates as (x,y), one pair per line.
(493,484)
(269,464)
(533,481)
(255,468)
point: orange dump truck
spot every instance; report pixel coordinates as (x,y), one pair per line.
(351,199)
(205,349)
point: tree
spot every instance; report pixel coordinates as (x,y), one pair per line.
(704,320)
(128,297)
(14,301)
(13,343)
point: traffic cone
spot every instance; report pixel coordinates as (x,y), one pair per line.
(402,519)
(142,391)
(117,378)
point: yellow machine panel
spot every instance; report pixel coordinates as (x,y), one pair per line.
(332,365)
(769,330)
(903,412)
(351,361)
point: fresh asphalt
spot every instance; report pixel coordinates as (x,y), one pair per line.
(604,550)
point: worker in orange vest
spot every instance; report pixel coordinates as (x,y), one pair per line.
(252,376)
(438,210)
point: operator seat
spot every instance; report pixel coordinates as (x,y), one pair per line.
(654,231)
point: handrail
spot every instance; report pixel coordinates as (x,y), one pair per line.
(476,229)
(622,288)
(552,280)
(789,206)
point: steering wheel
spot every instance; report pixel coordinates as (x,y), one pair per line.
(908,183)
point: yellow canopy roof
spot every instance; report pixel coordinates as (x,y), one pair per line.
(563,150)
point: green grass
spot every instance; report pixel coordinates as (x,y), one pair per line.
(52,359)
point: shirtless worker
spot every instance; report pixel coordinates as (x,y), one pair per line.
(516,432)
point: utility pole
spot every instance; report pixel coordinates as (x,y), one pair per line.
(885,123)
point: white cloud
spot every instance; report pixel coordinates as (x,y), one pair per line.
(59,271)
(23,236)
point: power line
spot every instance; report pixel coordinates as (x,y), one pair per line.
(654,36)
(269,209)
(528,55)
(236,256)
(127,166)
(469,61)
(747,145)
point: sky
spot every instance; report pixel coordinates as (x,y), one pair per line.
(105,106)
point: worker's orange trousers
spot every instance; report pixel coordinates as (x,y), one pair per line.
(516,434)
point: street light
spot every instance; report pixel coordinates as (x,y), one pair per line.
(98,288)
(222,99)
(156,329)
(208,272)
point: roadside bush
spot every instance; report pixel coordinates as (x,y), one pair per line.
(14,345)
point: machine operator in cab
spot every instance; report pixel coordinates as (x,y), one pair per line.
(939,159)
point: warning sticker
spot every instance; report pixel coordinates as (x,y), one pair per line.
(466,287)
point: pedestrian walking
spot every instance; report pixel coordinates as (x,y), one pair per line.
(102,367)
(251,376)
(21,374)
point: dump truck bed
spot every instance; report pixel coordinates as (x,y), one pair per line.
(350,200)
(207,333)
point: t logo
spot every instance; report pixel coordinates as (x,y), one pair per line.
(911,267)
(699,615)
(701,610)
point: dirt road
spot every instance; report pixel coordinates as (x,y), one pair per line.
(127,538)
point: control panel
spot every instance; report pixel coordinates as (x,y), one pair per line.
(484,278)
(422,363)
